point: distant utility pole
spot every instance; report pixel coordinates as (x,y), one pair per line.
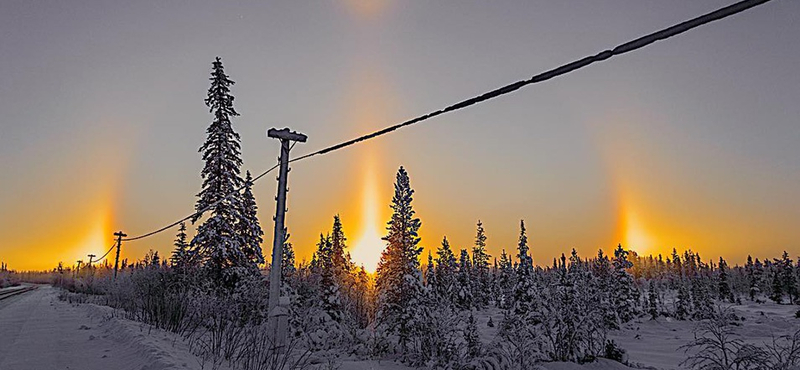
(91,271)
(119,235)
(78,269)
(278,317)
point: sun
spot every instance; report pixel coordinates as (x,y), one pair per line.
(636,236)
(368,245)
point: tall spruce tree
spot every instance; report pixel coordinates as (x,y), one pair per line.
(399,280)
(217,239)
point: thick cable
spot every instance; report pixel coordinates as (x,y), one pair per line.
(564,69)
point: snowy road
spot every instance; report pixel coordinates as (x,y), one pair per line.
(39,332)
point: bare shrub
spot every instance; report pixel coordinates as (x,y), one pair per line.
(783,353)
(717,347)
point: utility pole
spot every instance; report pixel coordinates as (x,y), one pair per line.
(78,270)
(91,271)
(278,316)
(119,235)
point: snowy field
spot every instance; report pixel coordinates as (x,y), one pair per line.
(39,331)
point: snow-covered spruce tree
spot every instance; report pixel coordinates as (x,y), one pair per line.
(339,261)
(652,300)
(399,280)
(480,267)
(464,283)
(471,338)
(524,285)
(603,272)
(786,276)
(288,268)
(329,297)
(429,275)
(180,253)
(446,267)
(702,301)
(217,240)
(571,320)
(249,228)
(506,280)
(723,283)
(683,307)
(345,275)
(623,294)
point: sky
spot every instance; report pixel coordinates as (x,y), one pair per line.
(689,143)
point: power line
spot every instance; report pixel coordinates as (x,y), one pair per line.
(106,254)
(200,212)
(544,76)
(562,70)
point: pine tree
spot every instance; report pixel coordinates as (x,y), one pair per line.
(155,260)
(179,258)
(471,337)
(446,267)
(505,280)
(464,298)
(288,268)
(480,267)
(624,297)
(787,277)
(725,292)
(523,286)
(429,278)
(652,300)
(777,288)
(525,261)
(399,280)
(682,303)
(217,239)
(702,302)
(249,227)
(750,275)
(341,264)
(328,284)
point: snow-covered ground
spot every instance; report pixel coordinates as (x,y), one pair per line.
(39,331)
(656,343)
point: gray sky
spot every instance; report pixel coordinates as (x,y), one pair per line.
(689,143)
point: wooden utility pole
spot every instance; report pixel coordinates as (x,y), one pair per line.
(278,316)
(119,235)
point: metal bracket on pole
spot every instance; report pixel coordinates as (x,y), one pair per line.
(278,317)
